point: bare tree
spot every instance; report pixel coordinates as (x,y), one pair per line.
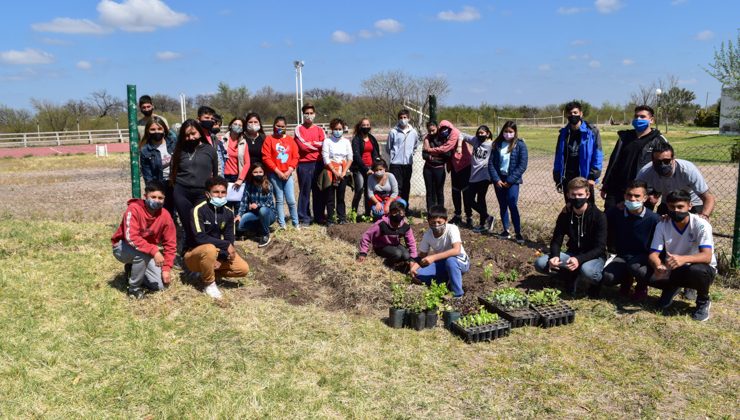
(106,104)
(15,120)
(50,115)
(166,103)
(391,89)
(645,95)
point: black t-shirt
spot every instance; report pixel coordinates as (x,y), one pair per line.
(254,147)
(625,169)
(572,163)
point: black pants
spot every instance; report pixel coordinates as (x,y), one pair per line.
(393,254)
(461,191)
(478,191)
(403,176)
(693,276)
(185,200)
(623,268)
(434,182)
(334,196)
(612,199)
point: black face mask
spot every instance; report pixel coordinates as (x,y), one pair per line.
(207,124)
(577,203)
(444,133)
(663,169)
(364,130)
(156,137)
(396,218)
(482,138)
(258,178)
(678,216)
(215,130)
(574,119)
(148,113)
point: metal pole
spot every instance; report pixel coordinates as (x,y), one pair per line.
(297,106)
(133,141)
(300,89)
(183,108)
(736,233)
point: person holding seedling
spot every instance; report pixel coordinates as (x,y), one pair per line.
(385,237)
(443,257)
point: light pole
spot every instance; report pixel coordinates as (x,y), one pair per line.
(658,92)
(183,109)
(298,64)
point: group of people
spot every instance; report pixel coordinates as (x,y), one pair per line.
(191,173)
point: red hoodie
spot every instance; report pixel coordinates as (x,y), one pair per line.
(144,231)
(309,141)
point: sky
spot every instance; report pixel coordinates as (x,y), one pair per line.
(494,52)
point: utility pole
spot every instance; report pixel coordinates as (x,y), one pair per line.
(298,64)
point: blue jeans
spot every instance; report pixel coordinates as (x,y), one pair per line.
(449,270)
(590,270)
(507,200)
(259,221)
(284,193)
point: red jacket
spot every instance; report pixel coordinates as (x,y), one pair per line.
(280,153)
(144,231)
(309,141)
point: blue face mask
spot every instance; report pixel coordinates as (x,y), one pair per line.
(218,201)
(640,124)
(633,205)
(154,204)
(337,133)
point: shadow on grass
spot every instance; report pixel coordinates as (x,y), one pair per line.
(119,282)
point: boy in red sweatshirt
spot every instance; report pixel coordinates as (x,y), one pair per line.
(144,227)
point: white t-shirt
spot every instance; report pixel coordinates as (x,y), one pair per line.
(431,245)
(695,236)
(338,151)
(166,159)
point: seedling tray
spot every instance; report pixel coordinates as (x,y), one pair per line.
(498,329)
(521,317)
(554,315)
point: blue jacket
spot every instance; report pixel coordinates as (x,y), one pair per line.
(517,163)
(151,160)
(590,155)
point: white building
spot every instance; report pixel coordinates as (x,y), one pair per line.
(729,112)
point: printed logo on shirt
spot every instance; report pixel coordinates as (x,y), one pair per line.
(481,153)
(207,222)
(282,153)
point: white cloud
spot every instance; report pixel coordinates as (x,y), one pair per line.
(66,25)
(608,6)
(389,25)
(705,35)
(583,57)
(55,41)
(341,37)
(570,10)
(594,64)
(365,34)
(544,67)
(578,42)
(628,62)
(467,14)
(139,15)
(27,56)
(167,55)
(83,65)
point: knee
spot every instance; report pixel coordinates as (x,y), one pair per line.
(541,263)
(265,211)
(592,270)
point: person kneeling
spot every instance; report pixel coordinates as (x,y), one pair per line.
(585,226)
(442,255)
(683,254)
(257,210)
(385,237)
(144,227)
(210,248)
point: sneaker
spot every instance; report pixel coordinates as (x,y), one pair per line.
(297,226)
(212,291)
(702,309)
(504,235)
(456,220)
(594,291)
(489,224)
(519,239)
(480,229)
(689,294)
(263,241)
(666,298)
(468,223)
(639,294)
(136,293)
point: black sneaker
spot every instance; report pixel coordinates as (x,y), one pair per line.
(263,241)
(702,310)
(666,298)
(689,294)
(468,223)
(594,291)
(504,235)
(136,293)
(519,239)
(456,220)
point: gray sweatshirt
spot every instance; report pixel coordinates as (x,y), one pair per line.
(389,189)
(479,159)
(402,144)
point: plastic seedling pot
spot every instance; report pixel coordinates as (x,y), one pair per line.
(520,317)
(448,317)
(396,317)
(418,320)
(431,318)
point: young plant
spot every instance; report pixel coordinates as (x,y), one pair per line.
(435,293)
(352,216)
(544,297)
(509,298)
(415,299)
(488,272)
(398,292)
(483,317)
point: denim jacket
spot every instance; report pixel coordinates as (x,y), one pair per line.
(151,160)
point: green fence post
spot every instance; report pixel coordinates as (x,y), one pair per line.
(133,141)
(736,232)
(433,108)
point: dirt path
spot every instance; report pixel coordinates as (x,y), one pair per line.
(20,152)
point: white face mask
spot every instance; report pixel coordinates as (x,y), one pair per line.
(253,127)
(508,136)
(403,122)
(309,117)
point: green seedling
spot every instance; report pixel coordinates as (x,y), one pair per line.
(509,298)
(544,297)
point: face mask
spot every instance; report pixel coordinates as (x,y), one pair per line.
(663,169)
(640,125)
(396,218)
(577,203)
(215,130)
(337,133)
(482,138)
(403,122)
(207,124)
(309,117)
(633,205)
(438,229)
(153,204)
(365,130)
(444,133)
(279,131)
(258,178)
(379,173)
(574,119)
(218,201)
(236,129)
(678,216)
(508,136)
(148,113)
(253,127)
(156,137)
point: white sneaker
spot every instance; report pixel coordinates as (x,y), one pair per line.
(212,291)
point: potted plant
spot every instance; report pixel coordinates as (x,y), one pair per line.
(397,310)
(550,308)
(433,299)
(512,304)
(481,326)
(450,314)
(416,308)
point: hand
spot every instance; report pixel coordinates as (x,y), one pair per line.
(427,260)
(661,272)
(602,193)
(369,172)
(336,173)
(378,207)
(507,185)
(620,205)
(253,206)
(591,182)
(232,252)
(237,184)
(237,218)
(361,258)
(704,216)
(413,269)
(572,264)
(166,277)
(555,263)
(499,184)
(158,259)
(674,261)
(217,265)
(652,199)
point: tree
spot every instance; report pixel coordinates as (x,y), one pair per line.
(106,104)
(15,120)
(390,90)
(587,109)
(678,104)
(726,69)
(645,95)
(52,116)
(230,102)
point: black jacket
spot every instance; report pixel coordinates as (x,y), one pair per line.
(358,147)
(212,225)
(645,157)
(586,234)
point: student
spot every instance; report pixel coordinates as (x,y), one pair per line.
(401,146)
(578,151)
(155,156)
(257,210)
(480,179)
(144,226)
(443,257)
(336,153)
(207,118)
(237,161)
(365,151)
(682,254)
(210,249)
(382,189)
(310,139)
(280,156)
(506,167)
(633,151)
(436,153)
(254,137)
(630,231)
(459,166)
(585,226)
(385,237)
(146,106)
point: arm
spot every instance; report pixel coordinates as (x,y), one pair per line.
(394,186)
(267,155)
(245,169)
(597,158)
(293,159)
(599,232)
(357,149)
(452,252)
(325,154)
(367,239)
(215,162)
(446,147)
(492,165)
(132,232)
(411,242)
(708,199)
(229,227)
(557,167)
(169,242)
(561,227)
(389,145)
(521,164)
(303,145)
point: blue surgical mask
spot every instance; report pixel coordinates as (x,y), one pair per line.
(633,205)
(218,201)
(640,124)
(236,129)
(279,131)
(337,133)
(153,204)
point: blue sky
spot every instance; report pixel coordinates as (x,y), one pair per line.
(498,52)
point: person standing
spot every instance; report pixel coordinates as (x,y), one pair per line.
(509,159)
(280,156)
(459,166)
(436,152)
(480,179)
(336,153)
(403,140)
(310,139)
(365,151)
(155,156)
(254,136)
(146,106)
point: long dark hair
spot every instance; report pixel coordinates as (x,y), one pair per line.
(265,181)
(358,126)
(255,115)
(180,142)
(149,122)
(500,138)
